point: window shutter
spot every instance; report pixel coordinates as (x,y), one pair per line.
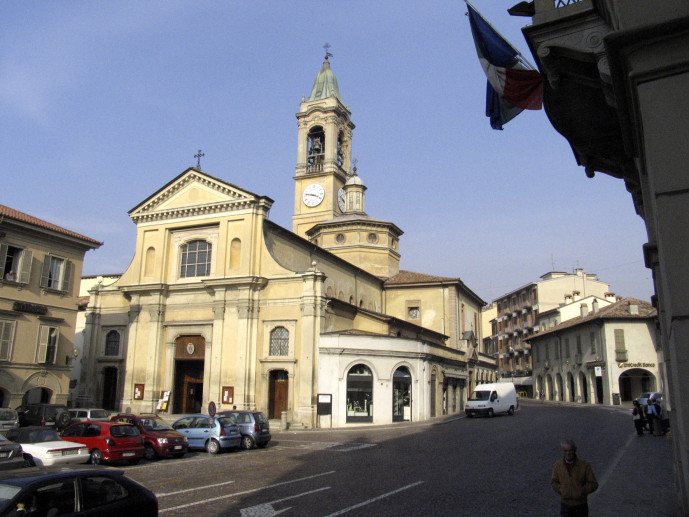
(25,267)
(66,276)
(42,344)
(6,335)
(3,259)
(45,271)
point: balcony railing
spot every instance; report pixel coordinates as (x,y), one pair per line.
(621,356)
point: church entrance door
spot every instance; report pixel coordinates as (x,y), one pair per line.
(279,384)
(190,352)
(109,387)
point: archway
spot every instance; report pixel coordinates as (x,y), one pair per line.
(37,396)
(360,394)
(634,382)
(583,388)
(559,390)
(277,396)
(570,387)
(401,395)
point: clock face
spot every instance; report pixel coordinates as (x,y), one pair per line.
(341,200)
(313,195)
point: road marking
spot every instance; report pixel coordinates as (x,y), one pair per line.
(267,510)
(611,468)
(345,510)
(333,446)
(244,492)
(193,489)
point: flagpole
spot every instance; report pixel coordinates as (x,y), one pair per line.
(523,59)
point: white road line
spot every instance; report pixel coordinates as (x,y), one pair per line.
(244,492)
(267,510)
(345,510)
(193,489)
(606,475)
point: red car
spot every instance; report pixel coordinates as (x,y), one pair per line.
(160,440)
(107,441)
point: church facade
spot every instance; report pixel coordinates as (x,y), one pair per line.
(316,323)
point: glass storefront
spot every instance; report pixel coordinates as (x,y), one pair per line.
(360,394)
(401,395)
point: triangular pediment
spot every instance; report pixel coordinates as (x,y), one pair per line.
(195,192)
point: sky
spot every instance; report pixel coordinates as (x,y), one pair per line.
(103,103)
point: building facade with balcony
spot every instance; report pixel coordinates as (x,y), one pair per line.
(604,356)
(615,87)
(39,288)
(517,315)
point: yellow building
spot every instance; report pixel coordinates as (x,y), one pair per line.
(41,270)
(221,304)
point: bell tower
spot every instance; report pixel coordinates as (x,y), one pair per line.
(323,153)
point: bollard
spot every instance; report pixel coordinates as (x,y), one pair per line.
(283,420)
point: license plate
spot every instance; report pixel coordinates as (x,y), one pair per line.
(265,431)
(4,454)
(128,454)
(70,452)
(177,447)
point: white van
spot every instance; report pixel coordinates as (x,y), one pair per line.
(490,399)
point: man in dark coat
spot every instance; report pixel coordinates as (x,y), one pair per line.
(573,480)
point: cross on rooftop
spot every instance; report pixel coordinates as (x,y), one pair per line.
(198,159)
(327,53)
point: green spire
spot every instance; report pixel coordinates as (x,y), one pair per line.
(325,84)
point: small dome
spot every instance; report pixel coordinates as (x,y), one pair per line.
(325,84)
(354,179)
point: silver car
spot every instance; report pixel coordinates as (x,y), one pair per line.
(89,414)
(253,425)
(9,419)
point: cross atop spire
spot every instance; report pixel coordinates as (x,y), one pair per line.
(198,157)
(327,51)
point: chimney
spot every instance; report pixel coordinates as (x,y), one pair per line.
(594,305)
(575,295)
(633,309)
(568,299)
(609,297)
(584,310)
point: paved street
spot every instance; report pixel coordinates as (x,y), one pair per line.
(451,466)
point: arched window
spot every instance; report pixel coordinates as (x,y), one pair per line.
(149,268)
(360,394)
(196,259)
(401,395)
(316,149)
(279,341)
(112,343)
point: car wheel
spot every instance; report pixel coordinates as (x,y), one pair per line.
(213,447)
(96,457)
(28,461)
(490,413)
(247,442)
(150,452)
(511,410)
(135,461)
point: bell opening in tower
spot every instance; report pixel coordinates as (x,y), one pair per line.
(316,149)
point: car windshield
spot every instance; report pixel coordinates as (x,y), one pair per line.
(99,413)
(7,492)
(40,435)
(155,424)
(119,431)
(480,395)
(8,414)
(260,418)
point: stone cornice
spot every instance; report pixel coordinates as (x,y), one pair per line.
(191,211)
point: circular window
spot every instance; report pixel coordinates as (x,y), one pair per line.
(372,238)
(340,238)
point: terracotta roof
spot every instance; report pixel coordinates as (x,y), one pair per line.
(409,277)
(618,310)
(10,213)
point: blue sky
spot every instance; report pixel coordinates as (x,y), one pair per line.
(103,103)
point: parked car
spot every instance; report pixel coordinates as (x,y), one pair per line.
(55,415)
(253,425)
(92,414)
(160,439)
(95,491)
(11,454)
(653,395)
(212,434)
(43,447)
(107,441)
(9,419)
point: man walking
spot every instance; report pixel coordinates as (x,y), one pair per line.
(573,480)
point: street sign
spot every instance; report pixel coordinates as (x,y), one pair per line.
(211,409)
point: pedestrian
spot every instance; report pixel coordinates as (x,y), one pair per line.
(542,395)
(658,410)
(573,480)
(650,415)
(637,416)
